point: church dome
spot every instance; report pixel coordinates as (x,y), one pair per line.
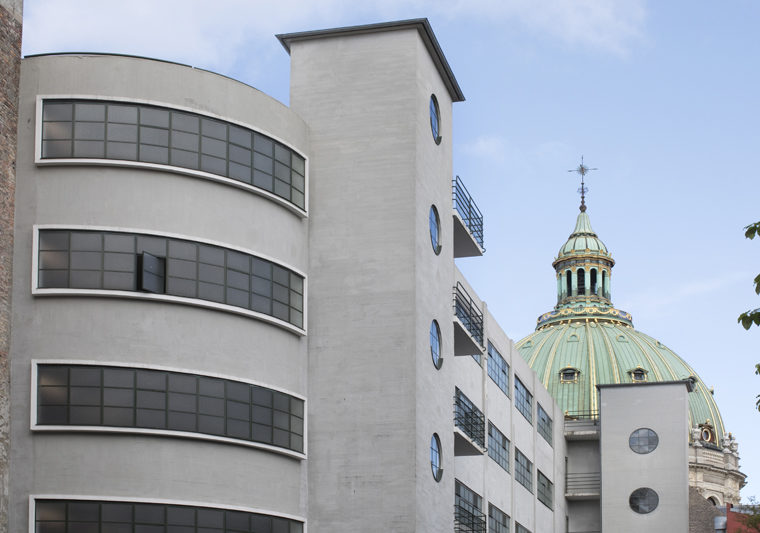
(585,341)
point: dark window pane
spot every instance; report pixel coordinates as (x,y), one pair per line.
(84,415)
(54,260)
(239,429)
(89,131)
(122,132)
(263,144)
(54,395)
(211,387)
(151,399)
(184,158)
(214,165)
(182,421)
(238,410)
(211,255)
(53,278)
(151,379)
(56,149)
(56,130)
(154,154)
(91,112)
(213,425)
(185,122)
(119,416)
(215,293)
(149,513)
(182,402)
(54,240)
(211,406)
(118,377)
(213,147)
(57,111)
(118,397)
(86,241)
(94,149)
(117,512)
(185,141)
(154,117)
(263,180)
(154,136)
(52,415)
(53,375)
(85,376)
(122,113)
(120,150)
(262,396)
(87,260)
(240,172)
(149,418)
(114,242)
(119,281)
(263,163)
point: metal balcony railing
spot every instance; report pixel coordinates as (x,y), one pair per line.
(468,518)
(586,483)
(581,421)
(468,313)
(469,212)
(469,419)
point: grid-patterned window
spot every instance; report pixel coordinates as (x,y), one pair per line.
(468,514)
(523,400)
(97,129)
(544,423)
(523,470)
(498,369)
(544,490)
(138,262)
(84,395)
(498,520)
(519,528)
(54,516)
(498,446)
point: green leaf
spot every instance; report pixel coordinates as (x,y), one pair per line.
(752,230)
(757,284)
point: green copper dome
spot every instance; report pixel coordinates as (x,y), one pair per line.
(584,341)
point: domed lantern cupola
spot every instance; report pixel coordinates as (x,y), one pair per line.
(584,271)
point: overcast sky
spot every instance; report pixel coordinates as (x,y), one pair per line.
(662,97)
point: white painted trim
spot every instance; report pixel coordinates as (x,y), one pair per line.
(163,501)
(162,432)
(196,302)
(38,160)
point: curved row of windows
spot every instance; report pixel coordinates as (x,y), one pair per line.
(96,129)
(56,516)
(112,260)
(111,396)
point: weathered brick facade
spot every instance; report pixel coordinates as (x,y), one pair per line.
(10,61)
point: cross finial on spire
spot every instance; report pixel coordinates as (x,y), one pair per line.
(583,170)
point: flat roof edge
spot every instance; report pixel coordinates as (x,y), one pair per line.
(422,25)
(685,382)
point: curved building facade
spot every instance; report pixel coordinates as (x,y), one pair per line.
(159,353)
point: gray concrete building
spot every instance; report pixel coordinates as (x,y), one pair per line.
(234,315)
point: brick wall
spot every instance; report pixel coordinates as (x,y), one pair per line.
(10,61)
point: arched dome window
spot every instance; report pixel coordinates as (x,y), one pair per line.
(581,281)
(569,282)
(638,374)
(569,375)
(605,288)
(593,280)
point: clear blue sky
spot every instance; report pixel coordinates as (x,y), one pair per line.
(662,97)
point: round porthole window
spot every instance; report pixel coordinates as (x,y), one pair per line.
(435,119)
(435,457)
(643,440)
(435,230)
(644,500)
(435,344)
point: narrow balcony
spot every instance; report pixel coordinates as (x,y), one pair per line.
(468,323)
(469,427)
(468,223)
(468,518)
(583,486)
(582,425)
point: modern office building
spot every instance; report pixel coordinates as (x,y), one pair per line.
(234,315)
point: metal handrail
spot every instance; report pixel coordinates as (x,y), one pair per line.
(469,212)
(468,518)
(468,313)
(469,419)
(585,482)
(582,415)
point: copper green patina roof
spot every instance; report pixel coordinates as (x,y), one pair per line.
(583,240)
(584,341)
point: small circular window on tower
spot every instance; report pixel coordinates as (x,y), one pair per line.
(644,500)
(435,457)
(435,119)
(643,440)
(435,344)
(435,230)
